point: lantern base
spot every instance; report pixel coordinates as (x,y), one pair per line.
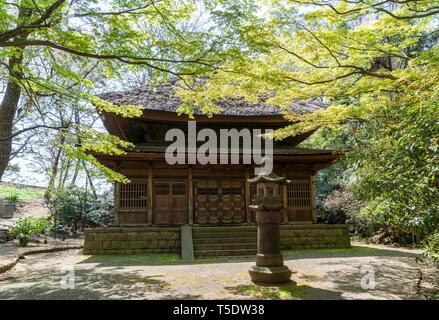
(269,260)
(270,275)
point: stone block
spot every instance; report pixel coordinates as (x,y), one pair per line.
(121,236)
(107,236)
(153,244)
(164,235)
(169,244)
(98,236)
(142,236)
(133,244)
(153,236)
(162,243)
(131,236)
(106,244)
(116,245)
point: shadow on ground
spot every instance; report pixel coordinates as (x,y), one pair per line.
(174,259)
(390,280)
(289,291)
(87,285)
(354,251)
(116,277)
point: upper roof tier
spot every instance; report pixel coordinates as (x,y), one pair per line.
(161,97)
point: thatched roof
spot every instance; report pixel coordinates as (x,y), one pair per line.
(162,97)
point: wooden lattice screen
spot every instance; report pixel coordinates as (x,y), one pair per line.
(299,194)
(133,195)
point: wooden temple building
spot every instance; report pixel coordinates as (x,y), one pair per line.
(212,199)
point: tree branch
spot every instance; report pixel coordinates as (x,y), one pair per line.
(38,23)
(135,60)
(32,128)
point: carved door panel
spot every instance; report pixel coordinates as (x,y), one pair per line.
(206,202)
(219,202)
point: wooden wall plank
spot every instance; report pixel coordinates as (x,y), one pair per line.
(284,197)
(116,203)
(150,196)
(313,197)
(191,197)
(247,201)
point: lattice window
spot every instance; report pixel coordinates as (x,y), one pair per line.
(133,195)
(299,194)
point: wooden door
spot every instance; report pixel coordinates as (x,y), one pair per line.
(170,203)
(219,202)
(206,194)
(179,203)
(232,202)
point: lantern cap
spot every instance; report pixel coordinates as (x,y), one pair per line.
(272,177)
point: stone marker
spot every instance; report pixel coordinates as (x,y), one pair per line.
(269,266)
(187,249)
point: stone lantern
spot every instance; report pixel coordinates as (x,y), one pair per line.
(269,266)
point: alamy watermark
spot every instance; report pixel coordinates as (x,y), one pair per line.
(67,277)
(368,280)
(231,147)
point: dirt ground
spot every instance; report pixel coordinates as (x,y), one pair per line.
(36,208)
(356,273)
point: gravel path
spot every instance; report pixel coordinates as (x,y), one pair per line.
(318,275)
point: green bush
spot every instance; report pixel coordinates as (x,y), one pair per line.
(13,198)
(338,207)
(75,209)
(25,228)
(102,215)
(432,246)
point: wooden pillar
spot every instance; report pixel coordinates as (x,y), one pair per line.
(285,197)
(248,212)
(313,196)
(116,202)
(150,196)
(190,197)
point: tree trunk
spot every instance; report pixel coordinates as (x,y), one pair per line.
(75,175)
(89,178)
(54,171)
(8,107)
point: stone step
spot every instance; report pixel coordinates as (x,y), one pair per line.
(224,229)
(216,253)
(224,246)
(219,235)
(224,240)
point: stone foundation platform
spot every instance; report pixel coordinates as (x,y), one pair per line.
(210,241)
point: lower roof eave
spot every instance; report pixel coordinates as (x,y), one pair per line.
(321,159)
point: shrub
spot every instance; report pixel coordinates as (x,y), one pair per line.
(25,228)
(338,207)
(100,216)
(13,198)
(70,207)
(432,246)
(75,209)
